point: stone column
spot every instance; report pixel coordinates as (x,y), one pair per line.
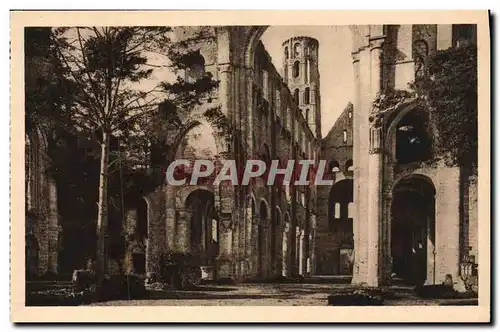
(301,252)
(356,192)
(286,233)
(53,227)
(225,94)
(375,210)
(386,249)
(255,257)
(224,259)
(170,218)
(183,222)
(250,108)
(375,175)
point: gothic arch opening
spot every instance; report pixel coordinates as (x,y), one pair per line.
(196,70)
(203,227)
(413,229)
(413,141)
(262,238)
(198,142)
(307,96)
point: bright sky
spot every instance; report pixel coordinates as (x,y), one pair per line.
(335,64)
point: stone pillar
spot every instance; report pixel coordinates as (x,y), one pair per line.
(356,177)
(250,112)
(255,258)
(301,252)
(386,248)
(285,267)
(224,259)
(53,227)
(183,222)
(225,80)
(170,218)
(375,210)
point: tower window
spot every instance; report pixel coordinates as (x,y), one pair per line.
(296,66)
(349,166)
(307,93)
(337,210)
(286,53)
(345,136)
(296,50)
(349,114)
(307,115)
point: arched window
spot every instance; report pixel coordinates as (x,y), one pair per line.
(349,114)
(296,96)
(215,231)
(334,166)
(337,210)
(197,69)
(296,50)
(345,136)
(287,55)
(420,53)
(307,115)
(413,142)
(278,216)
(307,94)
(349,166)
(464,34)
(296,67)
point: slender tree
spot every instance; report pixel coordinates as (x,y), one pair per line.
(113,70)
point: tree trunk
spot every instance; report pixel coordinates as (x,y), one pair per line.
(102,216)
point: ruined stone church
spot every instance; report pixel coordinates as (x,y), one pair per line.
(387,216)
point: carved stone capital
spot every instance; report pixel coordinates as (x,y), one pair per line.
(377,42)
(355,57)
(376,140)
(225,68)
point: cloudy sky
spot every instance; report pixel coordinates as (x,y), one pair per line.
(335,64)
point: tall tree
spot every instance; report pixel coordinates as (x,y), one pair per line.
(112,70)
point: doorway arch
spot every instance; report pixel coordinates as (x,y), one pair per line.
(413,229)
(203,226)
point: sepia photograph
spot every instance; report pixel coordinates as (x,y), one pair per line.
(332,165)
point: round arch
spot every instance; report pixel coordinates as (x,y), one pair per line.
(392,119)
(413,228)
(264,209)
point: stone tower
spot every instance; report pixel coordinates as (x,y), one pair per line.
(300,71)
